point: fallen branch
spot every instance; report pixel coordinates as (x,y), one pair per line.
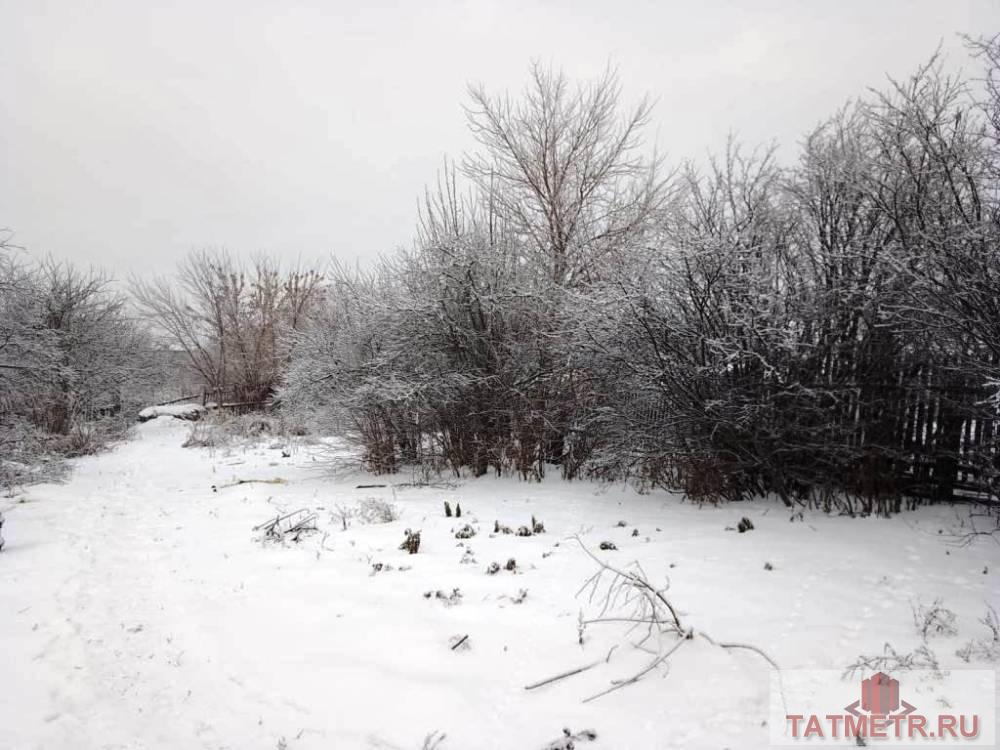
(238,482)
(619,684)
(747,646)
(618,589)
(278,519)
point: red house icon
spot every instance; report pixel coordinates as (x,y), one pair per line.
(880,694)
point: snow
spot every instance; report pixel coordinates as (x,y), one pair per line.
(180,411)
(140,610)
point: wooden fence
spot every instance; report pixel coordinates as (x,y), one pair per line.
(240,400)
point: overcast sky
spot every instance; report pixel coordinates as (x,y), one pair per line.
(135,131)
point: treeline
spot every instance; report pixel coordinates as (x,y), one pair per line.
(81,353)
(827,331)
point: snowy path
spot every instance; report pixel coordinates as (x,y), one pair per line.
(138,611)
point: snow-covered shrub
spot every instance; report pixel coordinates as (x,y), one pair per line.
(984,649)
(287,527)
(450,600)
(371,510)
(222,428)
(933,620)
(73,365)
(252,425)
(411,542)
(415,375)
(375,510)
(202,435)
(88,438)
(765,345)
(28,455)
(891,660)
(79,356)
(453,356)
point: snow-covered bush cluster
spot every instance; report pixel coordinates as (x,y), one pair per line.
(824,331)
(217,429)
(73,365)
(827,331)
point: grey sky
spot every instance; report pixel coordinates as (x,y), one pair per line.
(134,131)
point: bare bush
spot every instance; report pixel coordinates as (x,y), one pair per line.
(371,510)
(933,620)
(28,455)
(890,660)
(222,428)
(984,649)
(203,435)
(375,510)
(288,526)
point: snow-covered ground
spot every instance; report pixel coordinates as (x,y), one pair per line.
(139,610)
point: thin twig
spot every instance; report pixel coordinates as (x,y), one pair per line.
(572,672)
(636,677)
(563,675)
(238,482)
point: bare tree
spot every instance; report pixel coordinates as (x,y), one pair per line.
(233,322)
(566,169)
